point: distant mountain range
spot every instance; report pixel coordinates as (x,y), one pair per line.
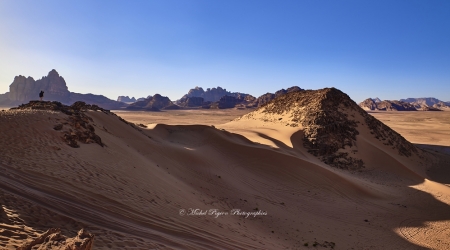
(24,89)
(408,104)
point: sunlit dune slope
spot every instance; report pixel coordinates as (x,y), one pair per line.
(330,186)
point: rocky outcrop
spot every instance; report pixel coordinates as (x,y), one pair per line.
(368,104)
(227,102)
(126,99)
(330,127)
(211,94)
(386,105)
(152,103)
(24,89)
(191,101)
(77,126)
(265,98)
(53,239)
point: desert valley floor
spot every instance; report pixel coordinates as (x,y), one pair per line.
(132,189)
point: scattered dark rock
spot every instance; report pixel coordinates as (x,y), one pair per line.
(78,122)
(58,127)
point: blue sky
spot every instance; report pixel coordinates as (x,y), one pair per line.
(389,49)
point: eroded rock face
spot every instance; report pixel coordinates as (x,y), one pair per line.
(126,99)
(24,89)
(191,101)
(153,103)
(211,94)
(53,239)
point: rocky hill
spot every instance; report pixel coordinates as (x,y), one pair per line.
(331,122)
(24,89)
(153,103)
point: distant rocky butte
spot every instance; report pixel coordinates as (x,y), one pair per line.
(126,99)
(153,103)
(330,121)
(24,89)
(409,104)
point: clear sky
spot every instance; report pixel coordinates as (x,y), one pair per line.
(386,49)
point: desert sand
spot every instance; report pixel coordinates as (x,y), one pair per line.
(138,189)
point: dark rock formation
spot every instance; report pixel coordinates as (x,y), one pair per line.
(126,99)
(77,126)
(227,102)
(386,105)
(211,94)
(53,239)
(265,98)
(186,101)
(23,89)
(326,117)
(171,107)
(152,103)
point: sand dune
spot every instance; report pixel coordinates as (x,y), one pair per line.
(132,192)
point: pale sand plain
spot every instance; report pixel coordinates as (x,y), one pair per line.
(130,192)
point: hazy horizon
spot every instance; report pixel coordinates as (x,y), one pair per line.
(377,49)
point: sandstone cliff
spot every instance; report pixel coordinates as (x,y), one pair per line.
(24,89)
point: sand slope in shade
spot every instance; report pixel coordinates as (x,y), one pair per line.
(130,192)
